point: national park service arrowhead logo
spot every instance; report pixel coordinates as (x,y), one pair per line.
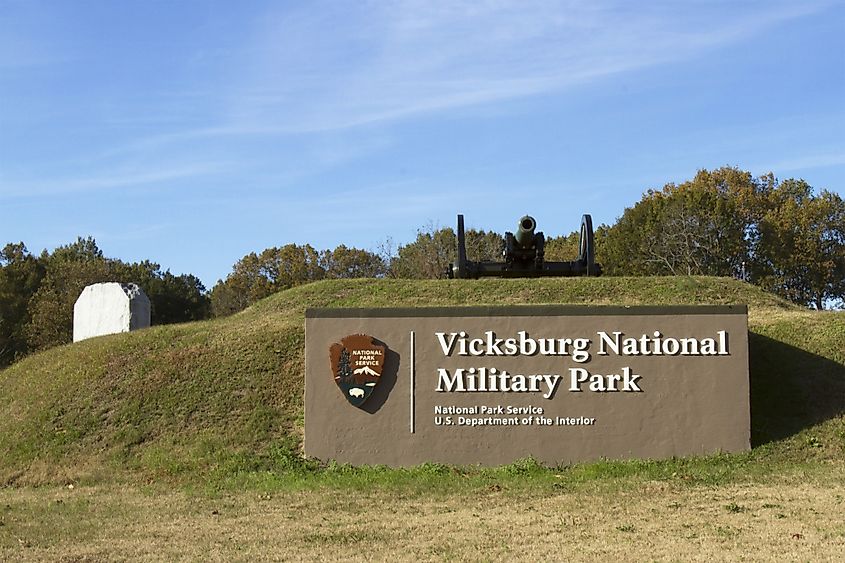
(357,363)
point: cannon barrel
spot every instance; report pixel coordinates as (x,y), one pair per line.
(525,232)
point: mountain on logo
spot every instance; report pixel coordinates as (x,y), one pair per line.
(367,371)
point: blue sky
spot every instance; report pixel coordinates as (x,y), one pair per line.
(192,133)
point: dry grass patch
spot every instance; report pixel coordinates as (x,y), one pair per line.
(651,520)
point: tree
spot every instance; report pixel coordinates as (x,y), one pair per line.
(562,248)
(429,256)
(230,296)
(345,262)
(700,227)
(483,246)
(182,298)
(68,270)
(20,276)
(82,250)
(256,276)
(791,241)
(291,265)
(173,299)
(800,245)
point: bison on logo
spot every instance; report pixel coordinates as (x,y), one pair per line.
(357,363)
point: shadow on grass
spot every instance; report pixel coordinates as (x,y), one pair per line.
(791,389)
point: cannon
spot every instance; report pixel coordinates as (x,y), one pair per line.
(524,255)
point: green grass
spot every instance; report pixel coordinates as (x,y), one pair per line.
(218,404)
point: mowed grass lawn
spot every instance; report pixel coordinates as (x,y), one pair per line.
(182,442)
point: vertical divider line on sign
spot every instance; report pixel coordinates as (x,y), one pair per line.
(413,374)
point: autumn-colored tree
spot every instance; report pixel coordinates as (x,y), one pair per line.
(291,265)
(726,222)
(346,262)
(429,256)
(800,245)
(484,246)
(256,276)
(700,227)
(562,248)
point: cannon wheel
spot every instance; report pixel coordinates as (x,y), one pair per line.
(462,250)
(586,245)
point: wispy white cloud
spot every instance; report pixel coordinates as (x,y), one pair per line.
(316,75)
(332,68)
(119,178)
(328,67)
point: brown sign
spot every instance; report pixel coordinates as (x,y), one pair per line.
(357,362)
(490,385)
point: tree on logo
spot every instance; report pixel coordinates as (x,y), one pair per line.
(344,371)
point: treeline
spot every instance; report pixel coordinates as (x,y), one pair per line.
(37,293)
(780,235)
(255,276)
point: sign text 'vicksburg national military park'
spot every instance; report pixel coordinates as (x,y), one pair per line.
(490,385)
(491,379)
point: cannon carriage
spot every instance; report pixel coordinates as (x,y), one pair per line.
(524,255)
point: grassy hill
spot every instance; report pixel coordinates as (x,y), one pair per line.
(225,396)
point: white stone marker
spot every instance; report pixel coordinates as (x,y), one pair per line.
(109,308)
